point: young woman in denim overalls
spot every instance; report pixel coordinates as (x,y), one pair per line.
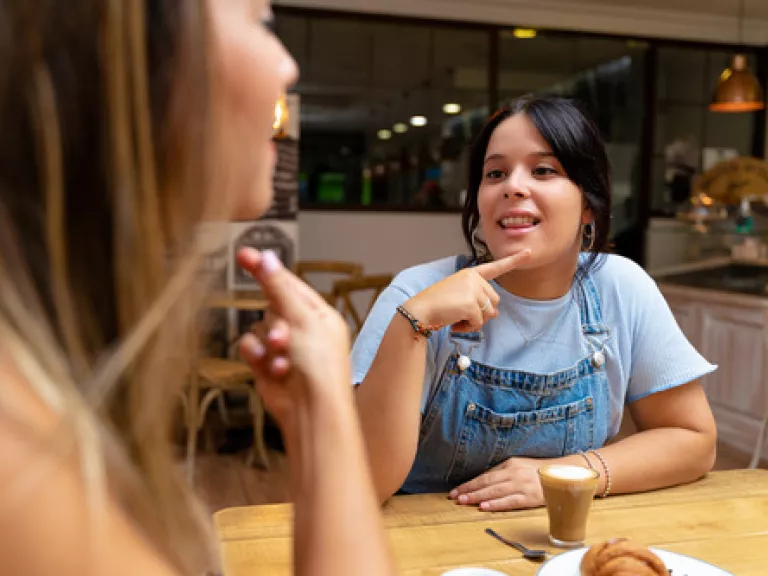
(474,371)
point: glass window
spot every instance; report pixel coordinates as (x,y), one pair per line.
(387,109)
(688,137)
(606,77)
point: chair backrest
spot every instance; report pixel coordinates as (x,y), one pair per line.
(351,296)
(327,268)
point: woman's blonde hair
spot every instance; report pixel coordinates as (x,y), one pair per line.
(105,107)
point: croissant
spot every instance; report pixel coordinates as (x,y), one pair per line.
(621,557)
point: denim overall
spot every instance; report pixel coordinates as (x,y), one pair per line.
(477,418)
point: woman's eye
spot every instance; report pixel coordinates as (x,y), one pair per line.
(494,174)
(544,171)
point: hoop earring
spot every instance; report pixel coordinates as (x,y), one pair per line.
(588,237)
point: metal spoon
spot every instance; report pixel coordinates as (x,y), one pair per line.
(528,554)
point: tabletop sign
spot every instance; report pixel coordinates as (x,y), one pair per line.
(733,180)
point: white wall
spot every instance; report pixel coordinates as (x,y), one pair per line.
(381,242)
(613,17)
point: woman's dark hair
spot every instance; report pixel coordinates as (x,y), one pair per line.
(576,143)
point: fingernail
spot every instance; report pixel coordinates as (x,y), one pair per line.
(453,494)
(280,365)
(484,505)
(275,334)
(270,263)
(463,499)
(254,349)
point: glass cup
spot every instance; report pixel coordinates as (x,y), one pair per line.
(568,493)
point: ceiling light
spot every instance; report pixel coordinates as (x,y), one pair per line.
(738,90)
(384,134)
(400,128)
(451,108)
(524,33)
(419,121)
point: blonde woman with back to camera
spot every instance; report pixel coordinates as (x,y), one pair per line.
(125,125)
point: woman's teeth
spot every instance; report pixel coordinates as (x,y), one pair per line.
(518,221)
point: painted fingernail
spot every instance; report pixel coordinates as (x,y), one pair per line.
(254,349)
(275,334)
(280,365)
(270,263)
(454,494)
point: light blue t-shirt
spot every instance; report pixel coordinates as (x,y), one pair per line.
(647,351)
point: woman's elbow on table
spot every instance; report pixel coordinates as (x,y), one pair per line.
(709,452)
(388,478)
(687,428)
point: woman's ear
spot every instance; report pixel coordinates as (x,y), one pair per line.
(586,216)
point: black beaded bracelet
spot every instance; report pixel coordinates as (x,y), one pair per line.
(417,326)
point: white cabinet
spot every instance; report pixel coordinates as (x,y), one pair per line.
(732,332)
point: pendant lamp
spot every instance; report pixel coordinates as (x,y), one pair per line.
(738,90)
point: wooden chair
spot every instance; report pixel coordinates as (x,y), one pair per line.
(326,267)
(350,294)
(211,378)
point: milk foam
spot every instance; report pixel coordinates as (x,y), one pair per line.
(569,472)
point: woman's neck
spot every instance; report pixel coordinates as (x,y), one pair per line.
(547,282)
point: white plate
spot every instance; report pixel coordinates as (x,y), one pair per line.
(567,564)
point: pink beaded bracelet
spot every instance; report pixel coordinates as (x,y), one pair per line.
(607,473)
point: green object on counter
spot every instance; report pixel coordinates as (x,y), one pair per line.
(745,224)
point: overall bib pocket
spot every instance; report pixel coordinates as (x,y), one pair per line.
(487,438)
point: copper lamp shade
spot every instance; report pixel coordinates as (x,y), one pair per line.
(738,90)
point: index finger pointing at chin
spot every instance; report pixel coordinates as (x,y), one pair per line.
(499,267)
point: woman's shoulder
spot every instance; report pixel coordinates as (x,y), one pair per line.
(624,278)
(619,268)
(417,278)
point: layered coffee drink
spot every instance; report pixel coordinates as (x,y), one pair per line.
(568,492)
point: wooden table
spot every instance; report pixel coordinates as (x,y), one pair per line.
(722,519)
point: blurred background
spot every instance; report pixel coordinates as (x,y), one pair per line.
(392,94)
(372,166)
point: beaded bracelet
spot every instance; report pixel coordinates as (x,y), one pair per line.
(589,462)
(418,327)
(607,474)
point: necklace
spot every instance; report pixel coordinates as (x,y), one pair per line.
(464,361)
(557,321)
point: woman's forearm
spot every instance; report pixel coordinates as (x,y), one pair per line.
(338,526)
(653,459)
(389,404)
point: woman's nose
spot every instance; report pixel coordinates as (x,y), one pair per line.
(517,186)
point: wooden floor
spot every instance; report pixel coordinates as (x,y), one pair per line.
(225,481)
